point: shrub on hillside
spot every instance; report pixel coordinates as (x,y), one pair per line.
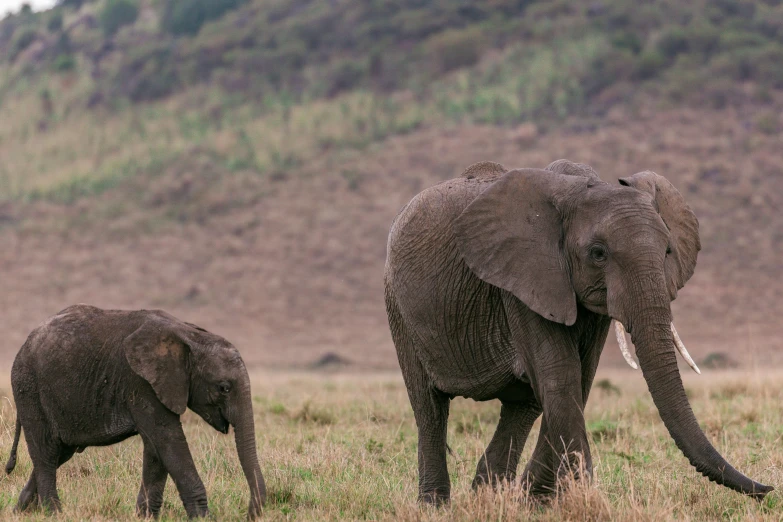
(607,68)
(703,38)
(762,64)
(185,17)
(673,42)
(76,4)
(627,40)
(118,13)
(649,65)
(64,62)
(147,73)
(455,48)
(720,10)
(345,76)
(55,22)
(738,39)
(22,40)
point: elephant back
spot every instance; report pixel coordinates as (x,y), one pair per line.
(484,169)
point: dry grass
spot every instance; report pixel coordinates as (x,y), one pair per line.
(344,447)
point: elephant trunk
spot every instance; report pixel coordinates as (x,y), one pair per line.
(245,436)
(651,332)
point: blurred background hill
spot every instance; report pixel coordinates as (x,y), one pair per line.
(238,162)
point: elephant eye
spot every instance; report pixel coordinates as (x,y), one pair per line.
(598,253)
(668,250)
(224,387)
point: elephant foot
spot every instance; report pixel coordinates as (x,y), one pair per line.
(254,510)
(539,492)
(27,502)
(492,480)
(198,514)
(198,511)
(51,506)
(143,512)
(435,497)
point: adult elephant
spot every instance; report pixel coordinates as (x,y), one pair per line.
(503,284)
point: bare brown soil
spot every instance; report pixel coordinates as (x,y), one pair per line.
(290,267)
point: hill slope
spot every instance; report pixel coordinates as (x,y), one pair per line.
(245,176)
(292,268)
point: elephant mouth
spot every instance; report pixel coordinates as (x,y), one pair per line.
(222,425)
(594,299)
(623,344)
(217,421)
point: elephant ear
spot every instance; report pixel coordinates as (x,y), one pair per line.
(569,168)
(159,354)
(683,226)
(511,237)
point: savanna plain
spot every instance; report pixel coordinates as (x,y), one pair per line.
(343,446)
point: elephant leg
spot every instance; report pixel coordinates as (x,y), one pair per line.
(431,410)
(29,494)
(46,483)
(153,483)
(592,344)
(47,454)
(48,497)
(501,457)
(566,434)
(539,474)
(163,437)
(551,357)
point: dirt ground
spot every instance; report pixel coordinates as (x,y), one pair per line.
(290,267)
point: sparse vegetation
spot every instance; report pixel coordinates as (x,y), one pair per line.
(275,69)
(311,49)
(353,468)
(118,13)
(185,17)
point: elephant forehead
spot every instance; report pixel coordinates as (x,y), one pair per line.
(222,359)
(611,196)
(607,203)
(601,211)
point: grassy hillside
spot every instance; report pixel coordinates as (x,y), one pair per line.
(74,99)
(244,174)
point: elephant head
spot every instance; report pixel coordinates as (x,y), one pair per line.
(189,367)
(561,237)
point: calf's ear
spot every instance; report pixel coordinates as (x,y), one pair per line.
(160,356)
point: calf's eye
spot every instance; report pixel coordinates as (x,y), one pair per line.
(224,387)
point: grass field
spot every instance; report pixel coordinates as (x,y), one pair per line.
(344,447)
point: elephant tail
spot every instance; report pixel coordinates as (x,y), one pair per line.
(9,467)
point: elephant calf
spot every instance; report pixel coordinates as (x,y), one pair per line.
(92,377)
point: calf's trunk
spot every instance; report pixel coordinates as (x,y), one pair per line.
(245,436)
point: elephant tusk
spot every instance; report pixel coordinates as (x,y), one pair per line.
(683,351)
(619,331)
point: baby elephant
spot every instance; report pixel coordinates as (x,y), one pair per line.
(92,377)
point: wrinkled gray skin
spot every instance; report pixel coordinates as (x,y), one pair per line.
(502,285)
(92,377)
